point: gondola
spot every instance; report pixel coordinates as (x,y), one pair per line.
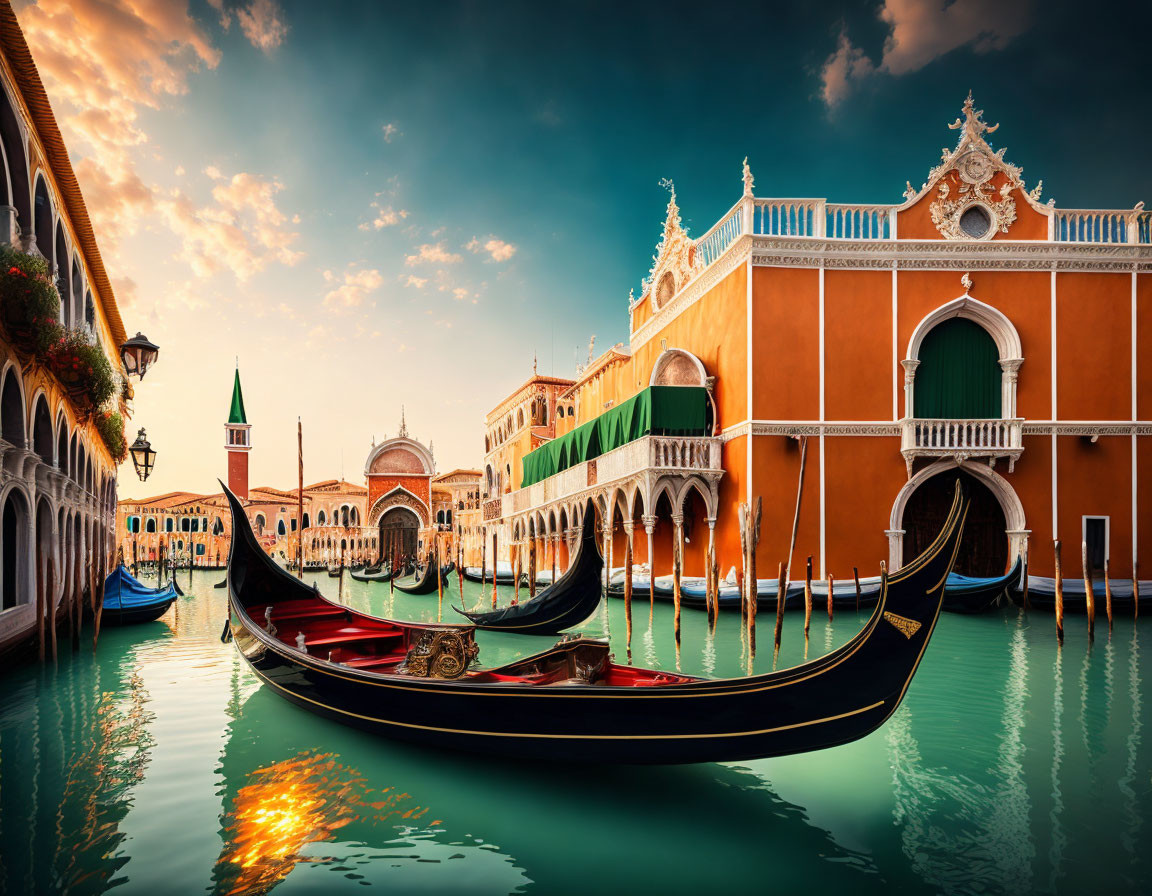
(1042,595)
(127,601)
(503,573)
(223,583)
(569,602)
(693,592)
(382,575)
(334,572)
(970,594)
(572,702)
(425,583)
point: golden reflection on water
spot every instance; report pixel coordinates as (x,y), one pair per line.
(286,806)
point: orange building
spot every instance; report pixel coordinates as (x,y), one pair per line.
(971,331)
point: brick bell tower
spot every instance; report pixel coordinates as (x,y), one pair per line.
(238,442)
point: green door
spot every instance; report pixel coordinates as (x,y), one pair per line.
(959,374)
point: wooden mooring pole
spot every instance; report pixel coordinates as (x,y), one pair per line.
(831,584)
(1059,593)
(495,542)
(781,595)
(1089,596)
(856,581)
(1108,596)
(628,583)
(807,597)
(677,561)
(753,581)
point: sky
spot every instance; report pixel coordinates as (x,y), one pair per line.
(376,205)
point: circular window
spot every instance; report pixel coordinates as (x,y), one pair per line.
(976,222)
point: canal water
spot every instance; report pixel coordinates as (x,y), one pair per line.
(160,765)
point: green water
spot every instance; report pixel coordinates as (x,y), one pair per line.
(160,765)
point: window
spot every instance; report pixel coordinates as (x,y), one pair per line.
(133,525)
(976,222)
(1095,535)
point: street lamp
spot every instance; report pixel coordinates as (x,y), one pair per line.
(138,354)
(143,457)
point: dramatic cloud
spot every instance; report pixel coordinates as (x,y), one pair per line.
(922,31)
(391,132)
(351,288)
(431,253)
(103,62)
(497,249)
(263,24)
(386,216)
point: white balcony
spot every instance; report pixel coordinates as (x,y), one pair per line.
(962,439)
(650,455)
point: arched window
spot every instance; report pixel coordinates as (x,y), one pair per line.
(959,375)
(133,525)
(150,524)
(260,523)
(169,524)
(63,281)
(280,528)
(12,409)
(42,430)
(218,526)
(321,520)
(520,419)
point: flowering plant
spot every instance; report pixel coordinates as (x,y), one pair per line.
(83,368)
(111,428)
(29,302)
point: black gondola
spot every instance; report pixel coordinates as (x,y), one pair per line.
(425,583)
(382,575)
(573,702)
(569,602)
(967,594)
(223,583)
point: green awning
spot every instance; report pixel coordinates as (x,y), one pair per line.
(658,410)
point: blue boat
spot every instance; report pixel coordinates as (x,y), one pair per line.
(128,601)
(974,594)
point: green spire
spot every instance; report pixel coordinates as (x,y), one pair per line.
(236,413)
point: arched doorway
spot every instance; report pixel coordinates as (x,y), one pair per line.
(959,375)
(984,547)
(399,530)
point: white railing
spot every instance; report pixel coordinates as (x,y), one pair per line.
(1102,226)
(972,437)
(668,453)
(788,217)
(859,222)
(723,234)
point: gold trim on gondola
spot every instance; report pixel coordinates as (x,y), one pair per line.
(907,627)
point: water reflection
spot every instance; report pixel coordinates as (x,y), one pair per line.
(288,805)
(75,742)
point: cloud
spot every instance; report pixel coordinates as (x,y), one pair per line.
(499,250)
(391,132)
(386,216)
(418,282)
(263,24)
(848,63)
(921,31)
(432,253)
(103,62)
(351,288)
(460,293)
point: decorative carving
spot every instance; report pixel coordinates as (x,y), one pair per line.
(966,282)
(749,181)
(440,653)
(398,497)
(906,627)
(674,256)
